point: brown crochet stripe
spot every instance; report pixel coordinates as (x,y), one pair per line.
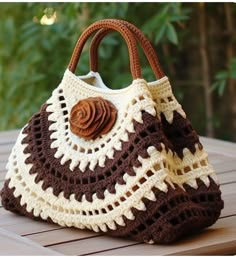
(208,197)
(180,134)
(12,203)
(169,218)
(60,178)
(172,216)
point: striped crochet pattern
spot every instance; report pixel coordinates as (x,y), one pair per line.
(190,161)
(140,180)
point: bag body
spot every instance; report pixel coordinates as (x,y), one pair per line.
(108,160)
(189,168)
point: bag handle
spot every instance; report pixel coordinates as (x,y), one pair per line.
(112,24)
(140,37)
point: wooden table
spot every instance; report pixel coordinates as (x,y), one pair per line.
(22,236)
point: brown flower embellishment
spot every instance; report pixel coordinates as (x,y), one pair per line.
(92,117)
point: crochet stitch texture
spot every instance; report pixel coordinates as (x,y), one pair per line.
(142,173)
(119,183)
(177,128)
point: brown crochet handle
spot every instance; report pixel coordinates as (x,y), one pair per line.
(140,37)
(112,24)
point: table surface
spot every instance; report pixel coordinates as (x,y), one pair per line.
(23,236)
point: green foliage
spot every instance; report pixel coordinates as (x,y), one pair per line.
(33,57)
(222,76)
(162,26)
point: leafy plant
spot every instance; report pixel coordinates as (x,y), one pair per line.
(162,27)
(222,76)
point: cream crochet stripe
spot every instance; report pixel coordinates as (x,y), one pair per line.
(190,168)
(193,166)
(164,98)
(129,102)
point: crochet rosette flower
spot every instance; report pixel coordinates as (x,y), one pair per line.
(92,117)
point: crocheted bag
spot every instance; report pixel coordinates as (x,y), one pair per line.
(91,160)
(189,168)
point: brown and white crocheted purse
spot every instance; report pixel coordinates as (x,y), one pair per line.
(189,168)
(107,160)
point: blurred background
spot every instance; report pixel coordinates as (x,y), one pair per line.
(195,43)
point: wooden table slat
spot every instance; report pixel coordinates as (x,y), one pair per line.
(228,189)
(225,166)
(65,235)
(227,177)
(224,231)
(4,157)
(91,245)
(6,148)
(7,137)
(12,244)
(2,176)
(218,146)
